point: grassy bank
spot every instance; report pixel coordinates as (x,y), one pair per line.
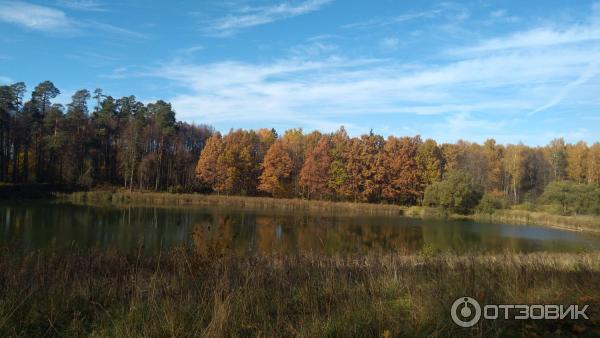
(589,224)
(584,223)
(266,203)
(182,293)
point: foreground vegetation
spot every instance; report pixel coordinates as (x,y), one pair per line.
(184,293)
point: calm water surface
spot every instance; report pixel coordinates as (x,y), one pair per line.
(29,226)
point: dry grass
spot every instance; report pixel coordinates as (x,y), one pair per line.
(182,293)
(267,203)
(574,223)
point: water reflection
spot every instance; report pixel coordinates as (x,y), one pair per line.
(32,226)
(243,233)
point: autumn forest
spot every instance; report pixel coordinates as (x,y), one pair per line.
(98,140)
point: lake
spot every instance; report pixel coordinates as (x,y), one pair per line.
(33,225)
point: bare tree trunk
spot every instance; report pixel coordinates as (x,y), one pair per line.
(15,168)
(159,165)
(26,165)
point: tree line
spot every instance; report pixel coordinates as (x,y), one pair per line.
(371,168)
(120,141)
(124,142)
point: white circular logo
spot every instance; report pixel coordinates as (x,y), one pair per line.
(465,311)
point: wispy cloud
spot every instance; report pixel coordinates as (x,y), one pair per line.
(587,75)
(254,16)
(191,49)
(83,5)
(48,19)
(538,37)
(313,49)
(394,20)
(477,91)
(451,12)
(34,17)
(389,42)
(501,16)
(334,87)
(108,28)
(499,13)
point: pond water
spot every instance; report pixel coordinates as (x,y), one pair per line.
(29,226)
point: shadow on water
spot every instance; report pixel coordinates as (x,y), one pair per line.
(38,225)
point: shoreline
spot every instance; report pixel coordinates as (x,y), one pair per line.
(587,224)
(241,202)
(580,223)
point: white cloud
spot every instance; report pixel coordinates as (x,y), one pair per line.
(538,37)
(254,16)
(190,50)
(83,5)
(314,91)
(48,19)
(116,30)
(481,90)
(34,16)
(394,20)
(313,49)
(587,75)
(389,42)
(501,16)
(498,13)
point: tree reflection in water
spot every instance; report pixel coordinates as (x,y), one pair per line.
(219,230)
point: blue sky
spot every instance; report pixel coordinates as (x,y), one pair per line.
(518,71)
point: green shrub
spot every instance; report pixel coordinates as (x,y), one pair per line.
(489,204)
(573,198)
(456,193)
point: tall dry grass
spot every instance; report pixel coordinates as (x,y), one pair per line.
(585,223)
(573,223)
(267,203)
(182,293)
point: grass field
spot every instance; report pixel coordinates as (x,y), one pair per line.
(184,293)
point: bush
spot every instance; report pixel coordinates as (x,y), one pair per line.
(489,204)
(572,197)
(456,193)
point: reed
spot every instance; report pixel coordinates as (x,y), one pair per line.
(184,293)
(266,203)
(584,223)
